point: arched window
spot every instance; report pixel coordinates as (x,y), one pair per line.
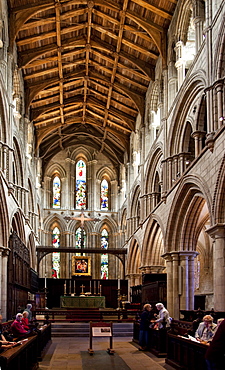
(104,194)
(80,236)
(104,257)
(81,185)
(56,255)
(56,192)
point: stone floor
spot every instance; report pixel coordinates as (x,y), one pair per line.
(71,353)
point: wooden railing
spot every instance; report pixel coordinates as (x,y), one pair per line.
(86,315)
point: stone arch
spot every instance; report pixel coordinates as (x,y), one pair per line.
(18,169)
(153,167)
(192,198)
(4,218)
(134,258)
(32,250)
(219,57)
(218,209)
(18,225)
(189,96)
(153,246)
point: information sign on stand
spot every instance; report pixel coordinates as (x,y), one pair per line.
(101,329)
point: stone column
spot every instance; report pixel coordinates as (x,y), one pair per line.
(219,94)
(217,232)
(187,279)
(3,275)
(198,136)
(180,63)
(169,271)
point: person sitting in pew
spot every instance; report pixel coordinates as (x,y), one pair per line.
(18,329)
(215,354)
(206,330)
(4,344)
(25,320)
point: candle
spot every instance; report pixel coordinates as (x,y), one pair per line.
(70,288)
(118,284)
(45,283)
(98,285)
(90,285)
(65,288)
(94,287)
(74,286)
(100,290)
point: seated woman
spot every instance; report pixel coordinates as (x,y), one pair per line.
(18,329)
(206,329)
(4,344)
(25,320)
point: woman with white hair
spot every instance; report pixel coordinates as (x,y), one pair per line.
(163,319)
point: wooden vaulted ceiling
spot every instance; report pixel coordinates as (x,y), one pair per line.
(87,66)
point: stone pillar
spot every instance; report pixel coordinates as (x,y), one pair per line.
(217,232)
(172,83)
(180,63)
(198,136)
(175,263)
(169,271)
(3,277)
(219,94)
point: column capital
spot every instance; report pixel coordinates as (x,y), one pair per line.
(217,231)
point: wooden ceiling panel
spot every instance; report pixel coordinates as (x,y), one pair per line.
(87,66)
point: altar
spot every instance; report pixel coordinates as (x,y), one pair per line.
(82,302)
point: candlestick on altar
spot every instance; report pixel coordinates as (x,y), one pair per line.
(90,285)
(100,290)
(94,287)
(119,283)
(74,285)
(65,288)
(70,287)
(98,286)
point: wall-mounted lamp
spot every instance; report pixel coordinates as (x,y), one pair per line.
(221,119)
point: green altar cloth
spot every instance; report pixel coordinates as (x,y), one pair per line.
(82,302)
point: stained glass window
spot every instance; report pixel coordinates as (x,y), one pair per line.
(79,234)
(56,255)
(104,257)
(56,192)
(81,185)
(104,195)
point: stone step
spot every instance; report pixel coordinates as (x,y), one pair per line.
(83,329)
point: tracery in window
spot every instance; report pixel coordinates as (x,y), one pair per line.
(80,238)
(81,185)
(56,255)
(56,190)
(104,194)
(104,257)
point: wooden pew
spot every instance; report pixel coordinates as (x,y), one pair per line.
(27,355)
(21,357)
(185,354)
(182,353)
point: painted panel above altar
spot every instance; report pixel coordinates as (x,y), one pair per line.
(82,302)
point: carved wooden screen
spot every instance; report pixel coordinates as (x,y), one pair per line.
(18,275)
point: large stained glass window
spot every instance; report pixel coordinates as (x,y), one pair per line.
(104,195)
(56,192)
(81,200)
(105,256)
(56,255)
(80,236)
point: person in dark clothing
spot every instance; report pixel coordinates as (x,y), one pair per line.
(215,354)
(145,319)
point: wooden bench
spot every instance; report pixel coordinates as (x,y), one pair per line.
(26,355)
